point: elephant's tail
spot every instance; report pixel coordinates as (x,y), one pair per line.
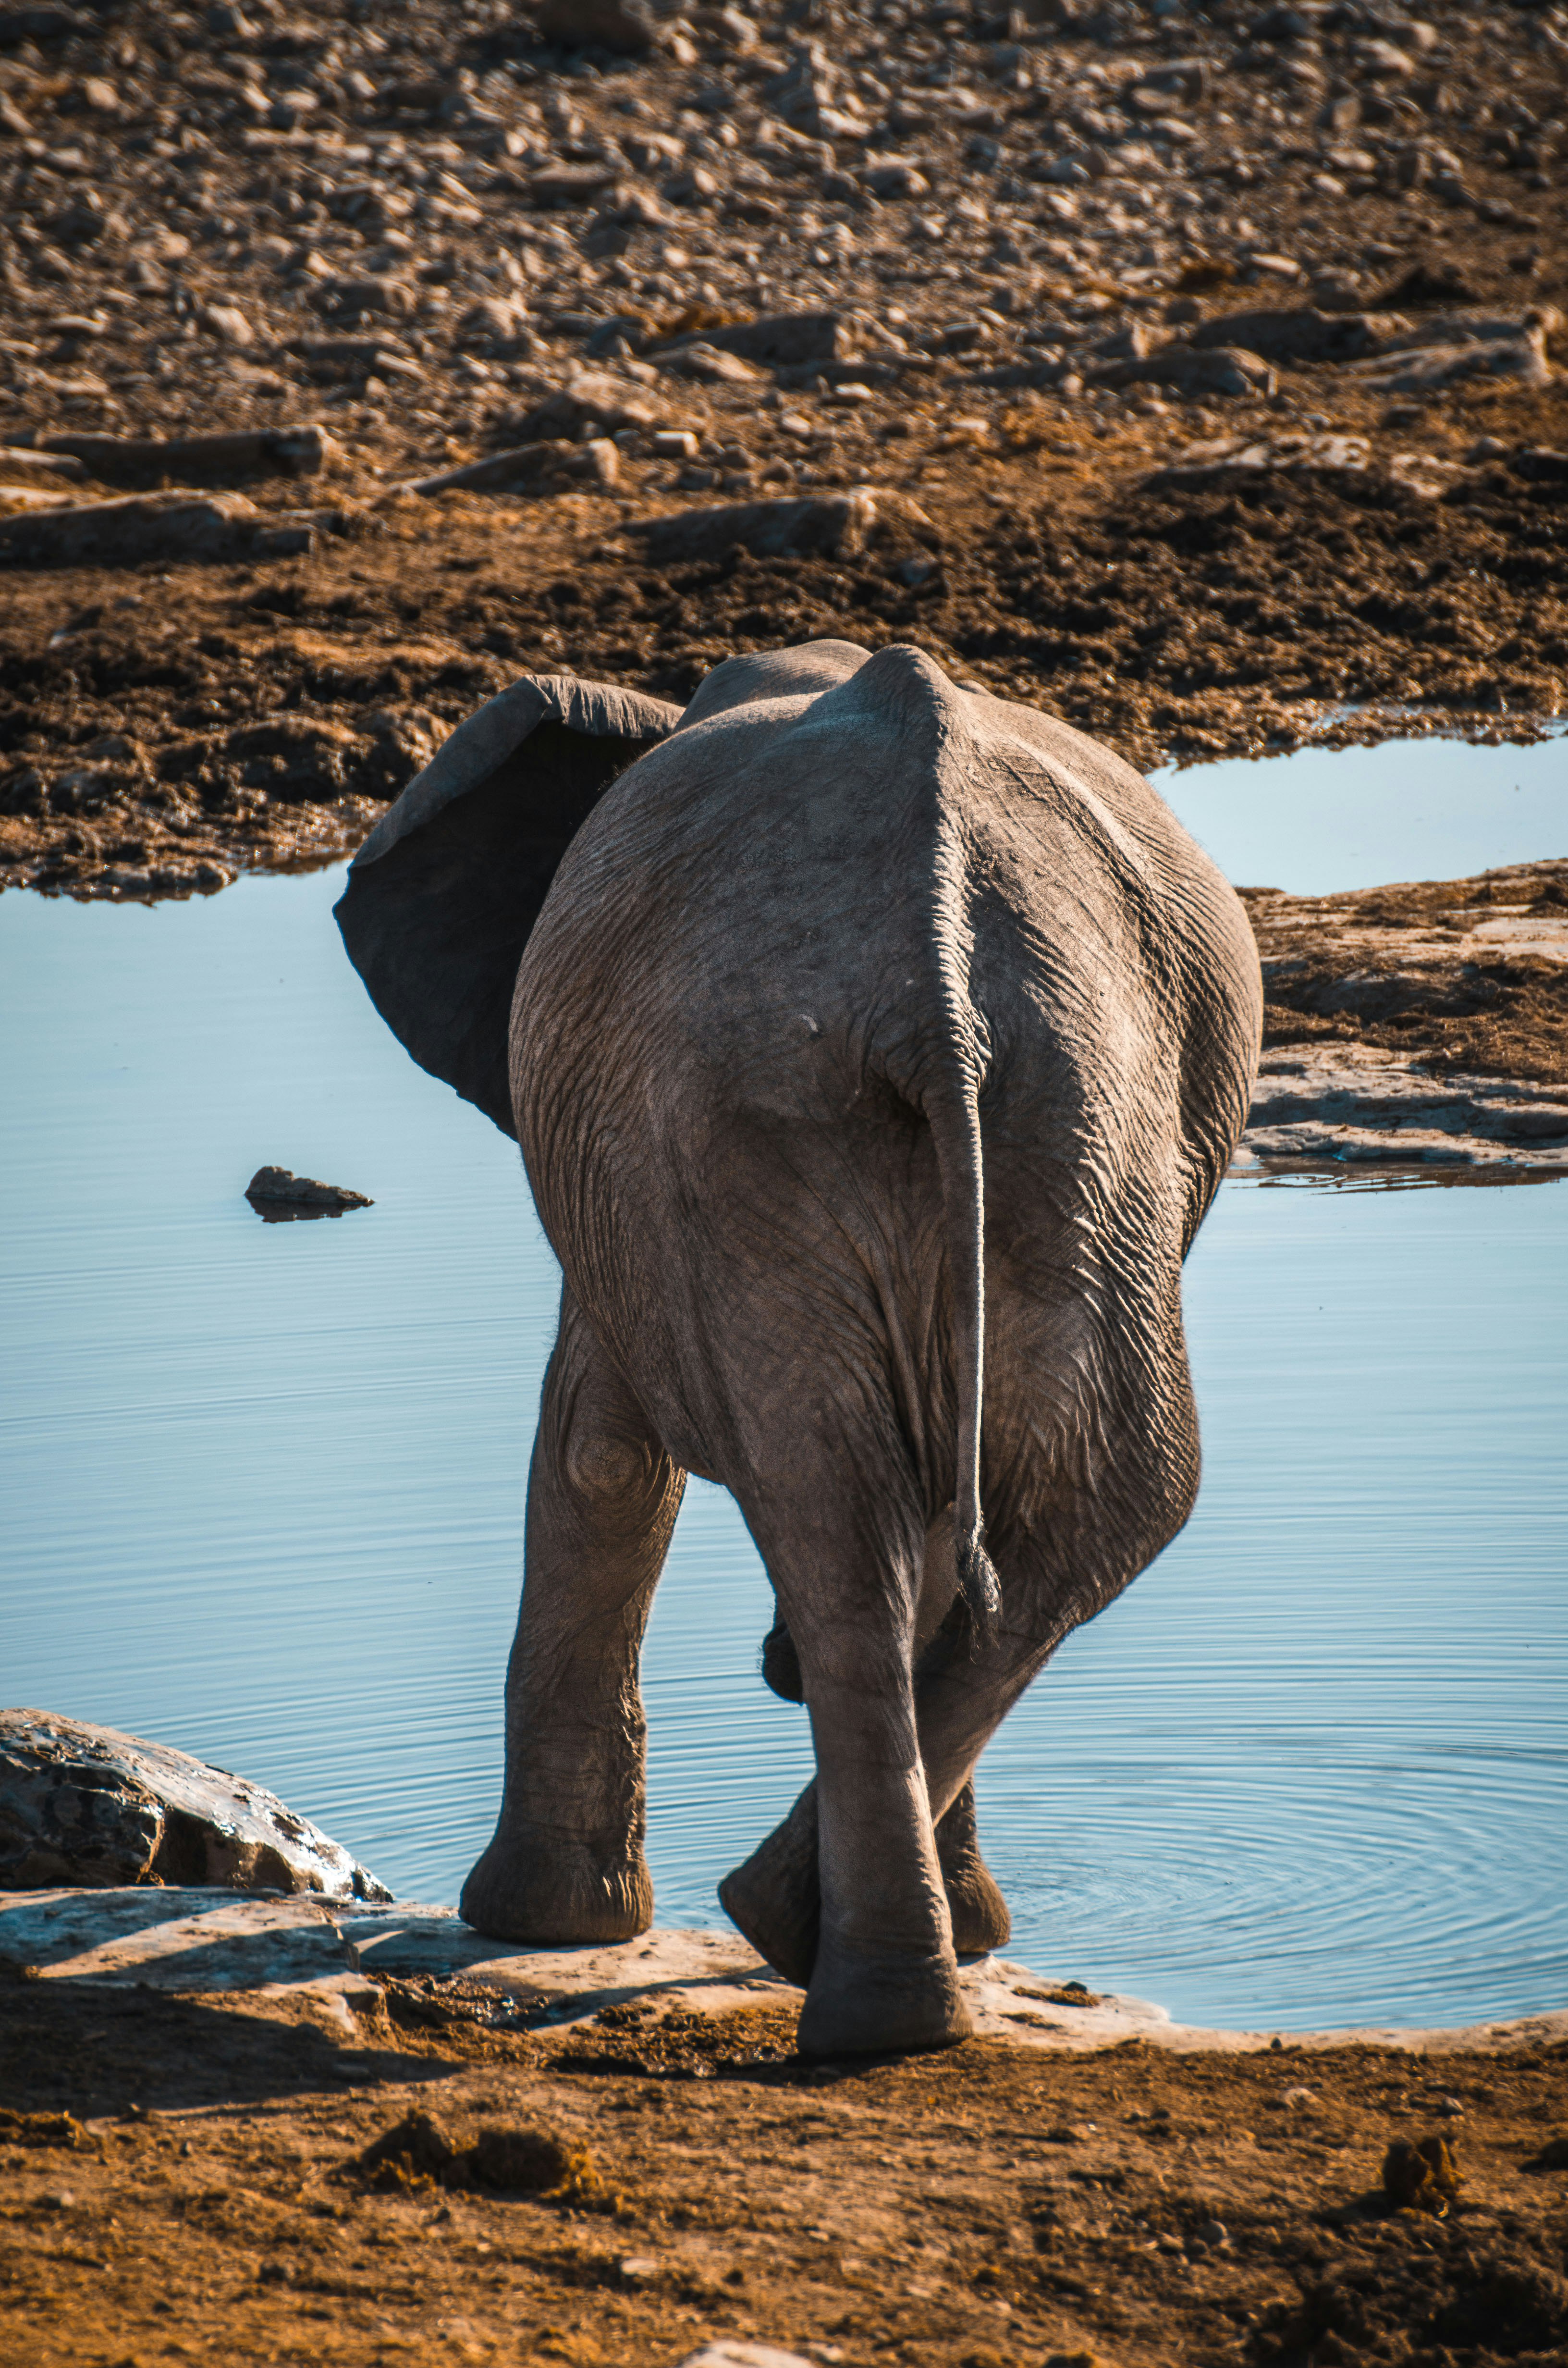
(955,1131)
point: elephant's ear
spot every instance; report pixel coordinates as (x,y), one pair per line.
(442,895)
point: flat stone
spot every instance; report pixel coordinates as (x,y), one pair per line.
(727,2353)
(1344,1105)
(297,452)
(1299,334)
(88,1806)
(827,523)
(177,525)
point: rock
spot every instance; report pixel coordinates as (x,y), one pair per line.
(829,523)
(338,358)
(593,398)
(499,472)
(243,452)
(227,322)
(20,25)
(803,93)
(38,468)
(728,2353)
(893,176)
(15,498)
(170,526)
(1302,454)
(1338,1105)
(1426,283)
(273,1190)
(497,324)
(710,365)
(1382,61)
(1194,369)
(1300,335)
(782,340)
(88,1806)
(626,26)
(375,292)
(572,185)
(1424,368)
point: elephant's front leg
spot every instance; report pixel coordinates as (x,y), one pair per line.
(566,1863)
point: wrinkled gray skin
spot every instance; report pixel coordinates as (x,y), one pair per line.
(853,990)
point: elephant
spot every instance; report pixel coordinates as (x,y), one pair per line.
(875,1046)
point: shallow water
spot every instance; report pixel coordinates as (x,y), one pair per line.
(262,1491)
(1324,819)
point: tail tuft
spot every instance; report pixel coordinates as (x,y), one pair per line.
(981,1590)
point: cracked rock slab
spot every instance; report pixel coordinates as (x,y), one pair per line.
(1344,1105)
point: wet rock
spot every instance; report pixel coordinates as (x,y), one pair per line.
(245,452)
(170,526)
(832,524)
(88,1806)
(277,1194)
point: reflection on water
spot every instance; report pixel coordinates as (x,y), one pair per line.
(262,1493)
(1323,820)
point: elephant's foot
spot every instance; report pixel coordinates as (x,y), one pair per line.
(773,1898)
(529,1887)
(877,2006)
(980,1920)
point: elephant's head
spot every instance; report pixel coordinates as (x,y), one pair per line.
(442,895)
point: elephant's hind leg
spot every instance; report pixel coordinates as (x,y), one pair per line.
(980,1921)
(566,1863)
(773,1899)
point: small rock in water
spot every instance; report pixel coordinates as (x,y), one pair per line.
(279,1196)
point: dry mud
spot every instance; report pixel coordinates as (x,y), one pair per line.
(623,2158)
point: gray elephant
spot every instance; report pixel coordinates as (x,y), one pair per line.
(875,1047)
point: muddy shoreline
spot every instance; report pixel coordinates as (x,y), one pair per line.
(180,2175)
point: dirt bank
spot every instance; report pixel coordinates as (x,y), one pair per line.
(988,2207)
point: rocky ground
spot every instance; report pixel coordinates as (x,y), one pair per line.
(1203,362)
(183,2177)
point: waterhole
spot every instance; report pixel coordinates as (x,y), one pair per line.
(263,1485)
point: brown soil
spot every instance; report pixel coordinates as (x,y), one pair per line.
(1469,975)
(179,2180)
(163,726)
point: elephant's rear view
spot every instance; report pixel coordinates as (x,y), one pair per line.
(875,1048)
